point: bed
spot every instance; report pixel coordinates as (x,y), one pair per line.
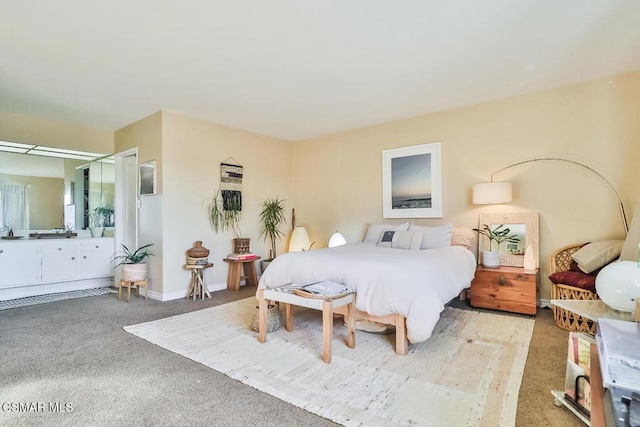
(395,286)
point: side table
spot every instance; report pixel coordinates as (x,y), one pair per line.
(235,272)
(197,286)
(505,288)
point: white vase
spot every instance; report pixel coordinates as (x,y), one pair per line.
(618,285)
(491,259)
(134,272)
(96,231)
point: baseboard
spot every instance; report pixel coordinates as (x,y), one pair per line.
(53,288)
(181,294)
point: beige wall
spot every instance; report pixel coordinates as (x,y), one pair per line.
(192,151)
(146,135)
(338,179)
(34,130)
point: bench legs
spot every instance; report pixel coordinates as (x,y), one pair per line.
(327,323)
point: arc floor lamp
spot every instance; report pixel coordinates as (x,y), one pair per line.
(500,192)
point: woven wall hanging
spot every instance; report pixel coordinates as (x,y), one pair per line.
(231,186)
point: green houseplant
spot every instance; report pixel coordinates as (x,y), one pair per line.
(222,219)
(134,267)
(499,235)
(271,217)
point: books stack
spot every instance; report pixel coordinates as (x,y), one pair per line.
(242,257)
(577,387)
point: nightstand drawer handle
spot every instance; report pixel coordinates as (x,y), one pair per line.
(501,281)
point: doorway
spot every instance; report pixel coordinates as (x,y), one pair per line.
(126,203)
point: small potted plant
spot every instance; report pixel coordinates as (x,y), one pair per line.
(134,267)
(271,217)
(499,234)
(227,217)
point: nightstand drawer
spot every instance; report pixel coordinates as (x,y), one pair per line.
(505,288)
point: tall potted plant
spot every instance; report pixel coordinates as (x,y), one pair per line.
(222,219)
(491,258)
(271,217)
(134,267)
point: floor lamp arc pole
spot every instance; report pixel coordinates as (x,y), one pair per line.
(559,159)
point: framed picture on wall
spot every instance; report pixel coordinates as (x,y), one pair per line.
(148,178)
(412,181)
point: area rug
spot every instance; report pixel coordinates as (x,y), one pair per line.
(467,374)
(59,296)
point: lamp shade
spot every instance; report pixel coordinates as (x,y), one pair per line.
(337,239)
(299,240)
(491,193)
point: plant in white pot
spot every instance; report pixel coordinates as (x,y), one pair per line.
(491,258)
(134,267)
(272,216)
(96,222)
(224,218)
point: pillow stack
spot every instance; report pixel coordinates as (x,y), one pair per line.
(417,237)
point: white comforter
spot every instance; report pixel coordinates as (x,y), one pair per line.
(415,284)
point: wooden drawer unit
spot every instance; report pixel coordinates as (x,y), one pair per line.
(505,288)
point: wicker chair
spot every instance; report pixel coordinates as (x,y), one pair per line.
(565,319)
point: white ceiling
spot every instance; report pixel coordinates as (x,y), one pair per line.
(296,69)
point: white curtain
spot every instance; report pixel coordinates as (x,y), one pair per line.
(14,206)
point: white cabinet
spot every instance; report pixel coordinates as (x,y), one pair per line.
(96,258)
(60,260)
(19,263)
(35,262)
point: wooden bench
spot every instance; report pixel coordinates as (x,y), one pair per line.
(327,306)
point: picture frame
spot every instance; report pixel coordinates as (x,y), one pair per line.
(412,181)
(148,178)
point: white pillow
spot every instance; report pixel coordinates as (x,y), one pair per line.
(374,231)
(434,237)
(462,236)
(407,240)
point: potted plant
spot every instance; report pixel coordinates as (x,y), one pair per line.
(96,223)
(499,234)
(223,218)
(271,216)
(106,214)
(134,267)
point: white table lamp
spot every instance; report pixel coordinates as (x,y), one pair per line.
(299,240)
(337,239)
(618,285)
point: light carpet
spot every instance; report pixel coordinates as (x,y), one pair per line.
(467,374)
(59,296)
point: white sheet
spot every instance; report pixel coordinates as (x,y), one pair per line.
(415,284)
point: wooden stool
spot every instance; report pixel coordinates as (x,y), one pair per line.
(236,268)
(328,307)
(129,284)
(197,286)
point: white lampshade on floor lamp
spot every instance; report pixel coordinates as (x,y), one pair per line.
(299,240)
(337,239)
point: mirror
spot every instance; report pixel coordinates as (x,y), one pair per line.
(523,224)
(42,193)
(519,233)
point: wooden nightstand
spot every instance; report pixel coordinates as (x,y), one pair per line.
(505,288)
